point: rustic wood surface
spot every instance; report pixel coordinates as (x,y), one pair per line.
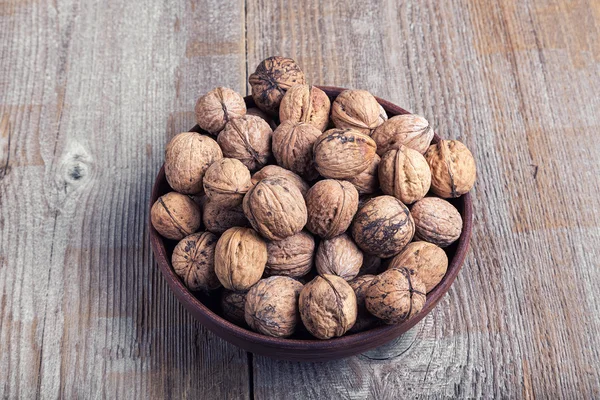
(90,92)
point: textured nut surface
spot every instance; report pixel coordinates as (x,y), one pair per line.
(240,258)
(356,109)
(395,295)
(331,205)
(272,78)
(339,256)
(436,221)
(367,181)
(404,174)
(272,306)
(263,115)
(343,153)
(383,227)
(293,147)
(175,216)
(428,261)
(218,219)
(217,107)
(292,256)
(327,306)
(410,130)
(226,182)
(187,157)
(453,168)
(308,104)
(364,319)
(275,208)
(274,171)
(247,139)
(193,260)
(233,305)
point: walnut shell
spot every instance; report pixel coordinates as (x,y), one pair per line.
(193,260)
(453,168)
(272,306)
(218,219)
(339,256)
(261,114)
(364,319)
(240,258)
(274,171)
(293,147)
(331,205)
(343,153)
(410,130)
(175,216)
(383,227)
(292,256)
(404,174)
(233,305)
(367,182)
(275,208)
(248,139)
(308,104)
(226,182)
(382,115)
(272,78)
(436,221)
(372,265)
(427,260)
(395,296)
(187,157)
(327,306)
(217,107)
(356,109)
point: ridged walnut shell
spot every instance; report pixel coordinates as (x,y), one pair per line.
(263,115)
(395,295)
(453,168)
(436,221)
(356,109)
(404,174)
(364,319)
(226,182)
(274,171)
(327,306)
(247,139)
(217,107)
(308,104)
(410,130)
(331,205)
(193,260)
(293,147)
(218,219)
(240,258)
(272,78)
(292,256)
(275,208)
(339,256)
(187,157)
(272,306)
(175,216)
(233,305)
(428,261)
(367,182)
(343,153)
(383,227)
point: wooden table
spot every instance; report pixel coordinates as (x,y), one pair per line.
(90,93)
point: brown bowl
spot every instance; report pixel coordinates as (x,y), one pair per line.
(205,308)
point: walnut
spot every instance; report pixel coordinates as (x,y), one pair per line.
(193,260)
(331,205)
(240,258)
(175,216)
(187,157)
(382,115)
(383,227)
(436,221)
(395,296)
(218,219)
(404,174)
(217,107)
(410,130)
(367,181)
(372,265)
(233,305)
(308,104)
(273,171)
(339,256)
(293,147)
(261,114)
(364,319)
(327,306)
(427,260)
(226,182)
(275,208)
(452,168)
(356,109)
(292,256)
(272,78)
(272,306)
(343,153)
(248,139)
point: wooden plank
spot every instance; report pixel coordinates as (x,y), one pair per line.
(518,82)
(89,96)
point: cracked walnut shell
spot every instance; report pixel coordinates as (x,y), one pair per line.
(343,153)
(356,109)
(339,256)
(292,256)
(217,107)
(247,139)
(410,130)
(331,205)
(436,221)
(404,174)
(193,260)
(226,182)
(274,171)
(364,319)
(293,147)
(427,260)
(308,104)
(175,216)
(453,168)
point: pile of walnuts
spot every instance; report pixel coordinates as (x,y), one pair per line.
(311,213)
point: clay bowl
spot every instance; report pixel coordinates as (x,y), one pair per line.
(303,347)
